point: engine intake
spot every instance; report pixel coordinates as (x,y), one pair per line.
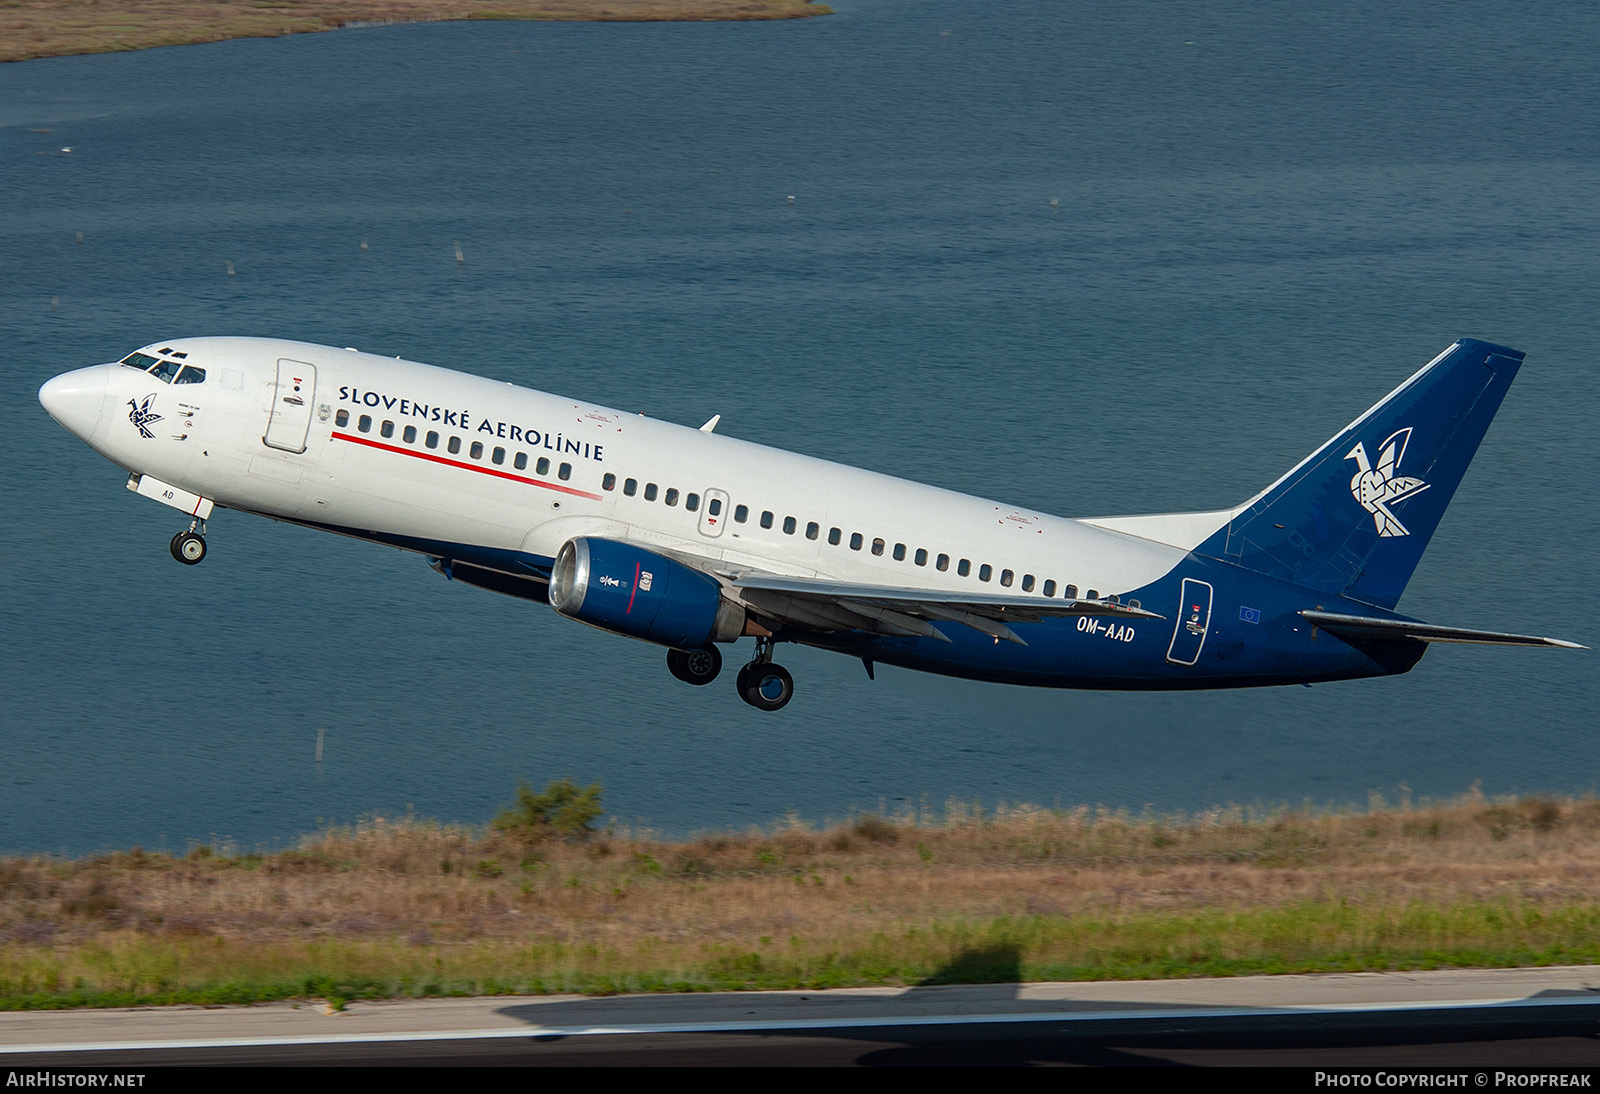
(629,590)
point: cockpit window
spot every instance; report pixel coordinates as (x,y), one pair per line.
(140,361)
(191,375)
(166,370)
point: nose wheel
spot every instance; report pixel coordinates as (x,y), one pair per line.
(189,546)
(763,684)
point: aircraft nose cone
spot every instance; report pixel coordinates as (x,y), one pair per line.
(74,399)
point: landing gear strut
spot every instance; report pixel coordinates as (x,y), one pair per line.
(698,667)
(763,684)
(189,547)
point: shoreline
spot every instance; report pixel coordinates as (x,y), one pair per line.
(37,29)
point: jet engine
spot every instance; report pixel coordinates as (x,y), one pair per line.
(627,589)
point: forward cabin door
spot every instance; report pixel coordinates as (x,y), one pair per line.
(1194,620)
(291,406)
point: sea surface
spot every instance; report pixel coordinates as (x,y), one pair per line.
(1093,258)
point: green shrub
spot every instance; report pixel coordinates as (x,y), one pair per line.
(562,809)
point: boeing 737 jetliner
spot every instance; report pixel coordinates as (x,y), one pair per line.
(689,540)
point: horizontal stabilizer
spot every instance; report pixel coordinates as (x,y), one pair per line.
(1364,628)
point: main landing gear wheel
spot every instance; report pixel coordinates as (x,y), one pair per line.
(765,686)
(698,667)
(188,547)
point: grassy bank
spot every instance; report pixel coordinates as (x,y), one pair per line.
(412,909)
(53,28)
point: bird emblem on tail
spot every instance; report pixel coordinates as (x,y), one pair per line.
(1379,487)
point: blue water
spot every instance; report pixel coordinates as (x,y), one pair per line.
(1264,219)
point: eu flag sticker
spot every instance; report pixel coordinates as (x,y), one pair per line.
(1250,615)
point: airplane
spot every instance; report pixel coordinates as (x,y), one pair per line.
(691,540)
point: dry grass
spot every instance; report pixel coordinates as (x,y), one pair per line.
(53,28)
(411,907)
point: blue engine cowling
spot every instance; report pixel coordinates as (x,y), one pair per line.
(623,588)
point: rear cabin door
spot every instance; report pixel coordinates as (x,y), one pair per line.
(1194,620)
(291,406)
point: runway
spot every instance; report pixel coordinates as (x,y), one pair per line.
(1463,1019)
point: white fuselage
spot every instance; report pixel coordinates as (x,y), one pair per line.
(609,473)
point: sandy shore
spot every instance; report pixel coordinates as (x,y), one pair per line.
(54,28)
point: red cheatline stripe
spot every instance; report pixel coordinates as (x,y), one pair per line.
(631,595)
(464,466)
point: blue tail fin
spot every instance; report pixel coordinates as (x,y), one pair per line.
(1354,517)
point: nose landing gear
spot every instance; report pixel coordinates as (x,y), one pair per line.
(189,547)
(763,684)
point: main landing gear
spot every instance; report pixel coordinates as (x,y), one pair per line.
(189,547)
(697,667)
(761,683)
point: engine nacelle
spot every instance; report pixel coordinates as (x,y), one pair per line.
(619,587)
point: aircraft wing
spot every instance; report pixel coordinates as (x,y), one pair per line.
(1364,628)
(822,604)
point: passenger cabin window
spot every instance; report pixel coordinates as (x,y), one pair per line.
(453,446)
(521,461)
(607,483)
(877,546)
(899,552)
(1070,592)
(789,526)
(1007,577)
(342,418)
(543,466)
(741,513)
(432,439)
(766,519)
(650,491)
(1094,594)
(364,423)
(1027,583)
(477,450)
(691,502)
(813,530)
(855,541)
(410,434)
(499,455)
(942,564)
(921,557)
(630,487)
(834,535)
(985,572)
(964,567)
(386,429)
(564,471)
(670,499)
(715,507)
(1050,588)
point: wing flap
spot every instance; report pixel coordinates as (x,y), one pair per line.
(1363,628)
(887,609)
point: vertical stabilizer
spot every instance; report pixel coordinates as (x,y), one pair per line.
(1354,517)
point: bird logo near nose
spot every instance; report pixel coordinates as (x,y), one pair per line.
(142,416)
